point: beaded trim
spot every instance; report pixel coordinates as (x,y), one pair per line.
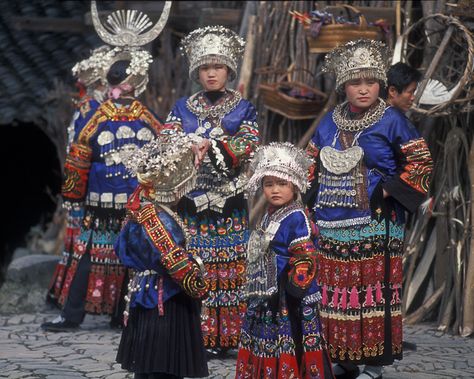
(345,223)
(343,122)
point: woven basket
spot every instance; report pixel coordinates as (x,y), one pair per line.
(276,100)
(333,35)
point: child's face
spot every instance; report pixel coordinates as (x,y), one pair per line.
(278,192)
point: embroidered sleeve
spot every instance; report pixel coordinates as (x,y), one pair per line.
(148,117)
(302,257)
(313,151)
(177,262)
(309,198)
(173,121)
(231,151)
(412,183)
(76,173)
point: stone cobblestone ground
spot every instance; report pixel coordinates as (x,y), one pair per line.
(27,352)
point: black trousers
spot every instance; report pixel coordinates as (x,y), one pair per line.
(74,308)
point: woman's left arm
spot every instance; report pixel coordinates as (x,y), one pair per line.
(231,151)
(414,166)
(302,256)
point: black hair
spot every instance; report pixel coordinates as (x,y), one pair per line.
(118,72)
(400,75)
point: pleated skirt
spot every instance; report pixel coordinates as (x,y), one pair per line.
(170,344)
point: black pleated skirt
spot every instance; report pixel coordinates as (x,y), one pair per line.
(170,344)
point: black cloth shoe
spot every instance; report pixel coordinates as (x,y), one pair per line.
(212,354)
(349,373)
(59,325)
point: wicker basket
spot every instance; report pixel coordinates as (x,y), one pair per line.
(276,100)
(333,35)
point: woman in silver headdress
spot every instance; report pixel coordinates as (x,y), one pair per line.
(91,81)
(371,165)
(95,177)
(224,126)
(162,337)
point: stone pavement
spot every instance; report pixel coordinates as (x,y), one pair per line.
(27,352)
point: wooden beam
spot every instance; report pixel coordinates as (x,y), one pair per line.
(371,13)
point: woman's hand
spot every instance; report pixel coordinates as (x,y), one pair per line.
(200,151)
(385,194)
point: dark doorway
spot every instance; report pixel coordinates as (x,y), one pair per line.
(31,184)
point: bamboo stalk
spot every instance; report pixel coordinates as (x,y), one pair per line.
(422,311)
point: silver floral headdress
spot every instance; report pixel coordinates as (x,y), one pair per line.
(128,30)
(166,164)
(362,58)
(94,68)
(280,159)
(212,44)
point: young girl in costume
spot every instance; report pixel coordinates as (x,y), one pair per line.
(372,166)
(162,337)
(281,332)
(216,212)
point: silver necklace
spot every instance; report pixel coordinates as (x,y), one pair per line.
(218,111)
(344,123)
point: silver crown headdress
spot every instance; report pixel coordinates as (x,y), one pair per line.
(280,159)
(127,31)
(362,58)
(92,69)
(166,164)
(212,44)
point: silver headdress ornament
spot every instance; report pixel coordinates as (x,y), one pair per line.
(212,45)
(92,69)
(362,58)
(166,164)
(280,159)
(127,31)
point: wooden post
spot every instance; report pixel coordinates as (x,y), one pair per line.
(247,62)
(467,324)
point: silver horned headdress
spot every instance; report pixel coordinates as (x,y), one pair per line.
(280,159)
(212,44)
(128,30)
(94,68)
(362,58)
(166,164)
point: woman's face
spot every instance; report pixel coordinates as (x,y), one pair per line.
(362,93)
(213,77)
(278,192)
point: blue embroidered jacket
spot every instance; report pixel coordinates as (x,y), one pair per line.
(233,136)
(293,250)
(152,244)
(137,251)
(395,156)
(94,171)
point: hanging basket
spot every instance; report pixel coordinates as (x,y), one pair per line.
(277,98)
(333,35)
